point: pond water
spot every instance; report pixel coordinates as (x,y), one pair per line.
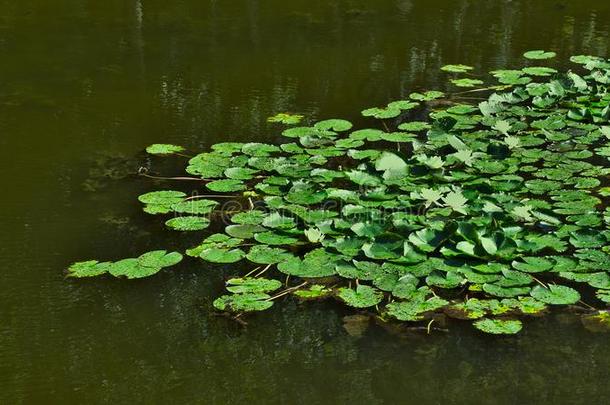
(86,85)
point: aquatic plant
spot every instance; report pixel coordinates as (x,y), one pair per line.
(486,212)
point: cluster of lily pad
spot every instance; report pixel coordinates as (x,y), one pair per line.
(486,212)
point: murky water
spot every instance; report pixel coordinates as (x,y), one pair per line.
(86,85)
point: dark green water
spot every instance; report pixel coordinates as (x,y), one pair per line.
(86,85)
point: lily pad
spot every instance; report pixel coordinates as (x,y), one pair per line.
(226,185)
(252,285)
(499,326)
(362,297)
(539,54)
(188,223)
(458,68)
(555,294)
(222,255)
(286,118)
(247,302)
(146,265)
(90,268)
(315,291)
(414,310)
(262,254)
(164,149)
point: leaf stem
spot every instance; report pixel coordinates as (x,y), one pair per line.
(170,178)
(287,291)
(264,270)
(250,272)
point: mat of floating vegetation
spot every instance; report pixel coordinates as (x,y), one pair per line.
(488,211)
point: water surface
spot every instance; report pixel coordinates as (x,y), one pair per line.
(86,85)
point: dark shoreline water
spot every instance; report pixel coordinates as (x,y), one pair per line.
(85,86)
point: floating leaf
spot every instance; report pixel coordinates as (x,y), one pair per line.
(499,326)
(163,149)
(539,71)
(244,231)
(362,297)
(278,221)
(414,310)
(243,302)
(252,285)
(161,202)
(314,291)
(266,255)
(253,217)
(273,238)
(90,268)
(146,265)
(456,68)
(533,265)
(286,118)
(466,82)
(196,206)
(188,223)
(555,294)
(414,126)
(538,54)
(222,255)
(334,125)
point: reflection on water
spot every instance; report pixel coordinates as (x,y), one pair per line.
(84,79)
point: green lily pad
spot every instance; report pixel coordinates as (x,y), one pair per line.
(226,185)
(262,254)
(556,294)
(146,265)
(221,255)
(253,217)
(414,310)
(539,71)
(533,265)
(286,118)
(456,68)
(362,297)
(188,223)
(467,82)
(252,285)
(244,231)
(272,238)
(334,125)
(164,197)
(538,54)
(315,291)
(197,206)
(163,149)
(248,302)
(278,221)
(499,326)
(89,268)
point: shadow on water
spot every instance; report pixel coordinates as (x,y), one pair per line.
(80,80)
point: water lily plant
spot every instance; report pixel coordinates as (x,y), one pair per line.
(486,212)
